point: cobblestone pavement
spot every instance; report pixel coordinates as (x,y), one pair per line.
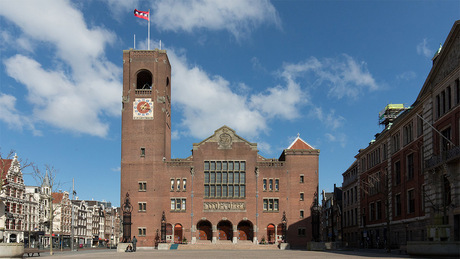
(186,254)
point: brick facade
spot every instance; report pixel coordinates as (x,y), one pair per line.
(224,191)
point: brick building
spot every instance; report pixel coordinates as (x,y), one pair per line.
(408,188)
(225,190)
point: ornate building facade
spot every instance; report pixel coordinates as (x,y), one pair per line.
(225,191)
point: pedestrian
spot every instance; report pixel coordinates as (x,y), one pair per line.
(134,243)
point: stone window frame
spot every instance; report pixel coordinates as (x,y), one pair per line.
(142,206)
(142,231)
(271,207)
(179,203)
(142,186)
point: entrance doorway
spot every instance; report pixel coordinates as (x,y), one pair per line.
(245,230)
(177,233)
(271,233)
(225,229)
(204,228)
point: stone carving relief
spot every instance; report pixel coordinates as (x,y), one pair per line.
(224,206)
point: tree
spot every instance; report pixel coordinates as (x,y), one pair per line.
(48,182)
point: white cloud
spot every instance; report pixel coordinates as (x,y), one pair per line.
(406,76)
(344,76)
(422,49)
(238,17)
(12,117)
(337,137)
(330,119)
(208,102)
(83,86)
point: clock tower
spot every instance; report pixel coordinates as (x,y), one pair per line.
(146,125)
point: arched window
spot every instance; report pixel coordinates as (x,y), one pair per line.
(144,80)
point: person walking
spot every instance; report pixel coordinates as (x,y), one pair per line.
(134,243)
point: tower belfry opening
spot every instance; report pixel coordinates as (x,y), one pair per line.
(144,80)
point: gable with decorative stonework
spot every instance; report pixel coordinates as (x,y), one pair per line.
(225,137)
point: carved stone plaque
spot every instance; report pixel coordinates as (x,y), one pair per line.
(225,141)
(226,206)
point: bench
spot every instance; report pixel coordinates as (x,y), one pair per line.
(31,251)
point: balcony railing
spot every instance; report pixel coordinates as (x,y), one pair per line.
(143,92)
(444,157)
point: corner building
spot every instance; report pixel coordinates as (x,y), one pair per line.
(224,192)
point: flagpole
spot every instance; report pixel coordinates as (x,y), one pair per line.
(148,33)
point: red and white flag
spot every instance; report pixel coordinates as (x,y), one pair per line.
(141,14)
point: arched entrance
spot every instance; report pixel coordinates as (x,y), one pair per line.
(279,232)
(169,233)
(271,233)
(225,230)
(245,230)
(177,233)
(204,228)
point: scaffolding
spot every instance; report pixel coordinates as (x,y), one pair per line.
(390,112)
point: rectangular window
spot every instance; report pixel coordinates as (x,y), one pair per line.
(302,232)
(397,167)
(178,184)
(379,210)
(270,184)
(172,184)
(438,106)
(410,166)
(230,191)
(224,191)
(178,204)
(142,151)
(142,206)
(206,191)
(371,211)
(419,125)
(142,186)
(301,196)
(142,232)
(265,184)
(271,204)
(457,89)
(301,214)
(224,177)
(449,98)
(184,184)
(397,204)
(224,182)
(410,201)
(277,184)
(301,178)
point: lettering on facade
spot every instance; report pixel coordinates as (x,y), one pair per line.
(224,206)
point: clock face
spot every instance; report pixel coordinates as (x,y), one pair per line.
(143,109)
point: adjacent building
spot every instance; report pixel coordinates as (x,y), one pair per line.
(407,177)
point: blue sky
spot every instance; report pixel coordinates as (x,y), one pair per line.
(268,69)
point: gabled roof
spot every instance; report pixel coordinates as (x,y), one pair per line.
(5,165)
(225,137)
(444,62)
(299,143)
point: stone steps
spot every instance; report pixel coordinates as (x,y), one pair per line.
(227,246)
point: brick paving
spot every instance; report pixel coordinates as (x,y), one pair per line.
(112,254)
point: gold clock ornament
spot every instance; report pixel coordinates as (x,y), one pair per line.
(143,109)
